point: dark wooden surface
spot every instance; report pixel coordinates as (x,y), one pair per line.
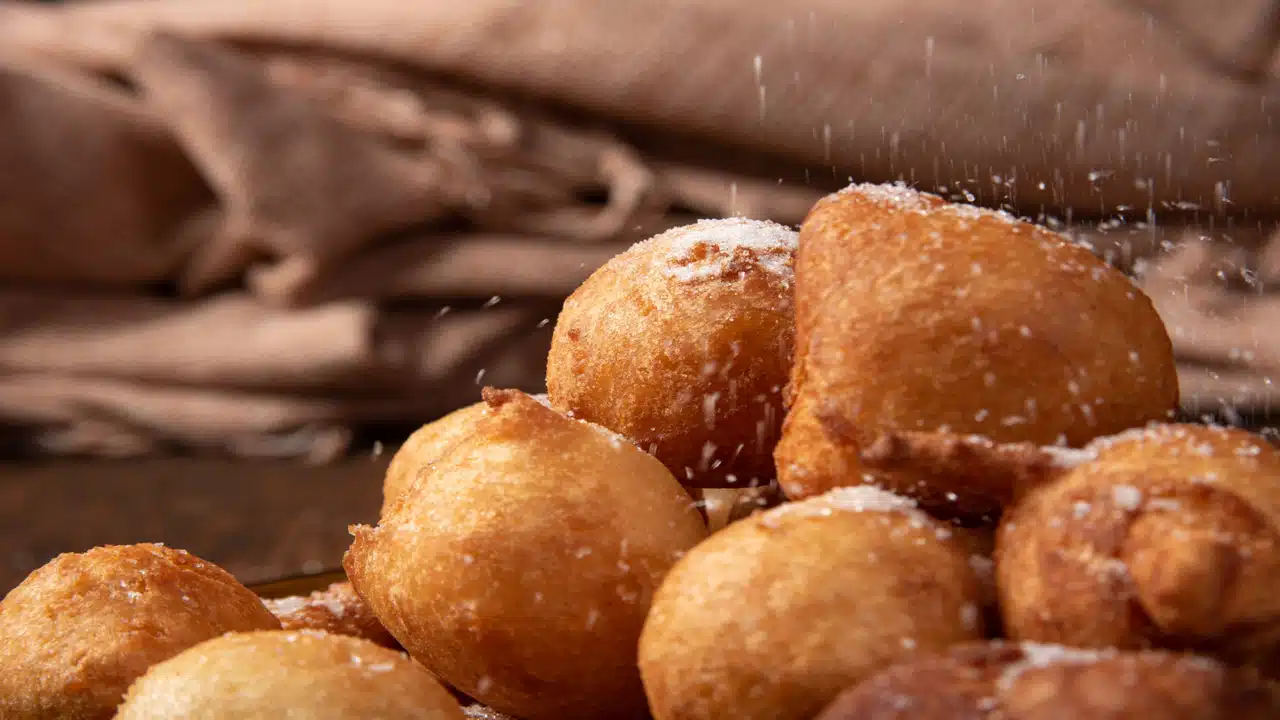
(260,520)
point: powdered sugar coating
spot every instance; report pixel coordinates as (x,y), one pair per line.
(710,249)
(895,195)
(906,199)
(856,499)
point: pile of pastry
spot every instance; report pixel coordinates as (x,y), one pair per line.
(917,460)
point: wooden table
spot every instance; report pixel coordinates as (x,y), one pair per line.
(261,520)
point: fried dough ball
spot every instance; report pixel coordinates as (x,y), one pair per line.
(1167,537)
(682,343)
(1027,681)
(914,314)
(303,673)
(426,445)
(79,629)
(519,568)
(337,609)
(776,614)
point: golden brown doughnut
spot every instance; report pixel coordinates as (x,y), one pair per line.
(79,629)
(682,343)
(426,445)
(337,609)
(914,314)
(287,674)
(520,566)
(1168,537)
(1026,681)
(776,614)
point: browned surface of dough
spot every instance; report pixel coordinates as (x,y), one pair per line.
(682,343)
(1167,539)
(81,628)
(913,314)
(286,674)
(999,681)
(426,445)
(776,614)
(520,567)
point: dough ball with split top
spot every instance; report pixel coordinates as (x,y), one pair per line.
(1162,537)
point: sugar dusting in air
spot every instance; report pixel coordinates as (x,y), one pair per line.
(710,249)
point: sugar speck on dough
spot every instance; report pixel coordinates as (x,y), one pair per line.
(1065,457)
(982,566)
(1164,504)
(1080,509)
(1126,497)
(287,605)
(1036,655)
(333,605)
(710,249)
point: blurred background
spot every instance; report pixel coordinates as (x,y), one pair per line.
(247,246)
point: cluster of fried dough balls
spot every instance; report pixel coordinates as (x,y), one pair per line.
(1028,681)
(519,567)
(776,614)
(915,314)
(78,630)
(953,369)
(285,674)
(682,344)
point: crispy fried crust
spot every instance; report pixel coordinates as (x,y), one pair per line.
(78,630)
(1029,682)
(682,343)
(1168,539)
(980,473)
(913,314)
(776,614)
(520,567)
(425,446)
(303,673)
(337,609)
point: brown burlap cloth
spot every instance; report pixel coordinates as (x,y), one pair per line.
(256,226)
